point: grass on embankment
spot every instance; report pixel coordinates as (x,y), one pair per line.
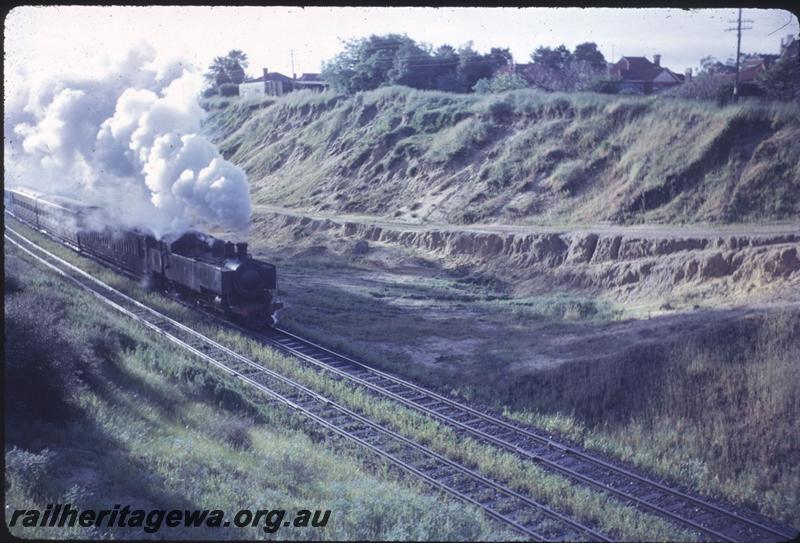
(520,156)
(622,522)
(100,411)
(718,411)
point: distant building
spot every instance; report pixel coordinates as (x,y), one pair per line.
(277,84)
(639,75)
(751,67)
(790,47)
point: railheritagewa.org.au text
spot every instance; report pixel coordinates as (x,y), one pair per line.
(154,520)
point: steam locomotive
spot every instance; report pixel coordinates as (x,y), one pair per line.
(207,270)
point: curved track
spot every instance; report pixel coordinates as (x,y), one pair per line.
(499,502)
(711,520)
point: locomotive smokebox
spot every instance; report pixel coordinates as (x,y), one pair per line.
(241,250)
(230,250)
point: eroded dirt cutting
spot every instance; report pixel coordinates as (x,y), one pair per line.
(730,263)
(638,285)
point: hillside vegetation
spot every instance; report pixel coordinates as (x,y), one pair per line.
(522,156)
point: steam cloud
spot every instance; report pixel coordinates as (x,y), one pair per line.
(128,141)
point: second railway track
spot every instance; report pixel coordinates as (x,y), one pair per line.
(695,513)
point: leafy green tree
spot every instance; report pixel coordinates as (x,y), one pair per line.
(589,53)
(557,59)
(395,59)
(446,60)
(710,64)
(782,80)
(235,64)
(472,66)
(366,63)
(227,69)
(413,66)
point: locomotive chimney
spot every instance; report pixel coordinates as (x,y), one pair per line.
(241,250)
(230,250)
(218,248)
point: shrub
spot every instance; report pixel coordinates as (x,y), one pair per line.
(500,83)
(41,366)
(27,468)
(604,86)
(229,89)
(234,431)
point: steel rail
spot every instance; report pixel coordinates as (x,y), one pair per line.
(697,502)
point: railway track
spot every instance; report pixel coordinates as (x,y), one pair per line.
(521,513)
(712,521)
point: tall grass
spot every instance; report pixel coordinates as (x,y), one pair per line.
(717,412)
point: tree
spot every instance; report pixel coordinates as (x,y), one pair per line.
(365,63)
(395,59)
(710,65)
(217,74)
(782,80)
(227,69)
(557,59)
(413,66)
(589,53)
(472,66)
(445,58)
(235,64)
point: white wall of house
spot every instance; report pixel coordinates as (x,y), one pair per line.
(255,88)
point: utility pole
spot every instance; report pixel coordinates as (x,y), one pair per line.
(738,29)
(291,53)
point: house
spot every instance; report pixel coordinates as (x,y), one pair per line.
(639,75)
(277,84)
(790,47)
(753,66)
(750,69)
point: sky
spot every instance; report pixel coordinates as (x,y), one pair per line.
(44,41)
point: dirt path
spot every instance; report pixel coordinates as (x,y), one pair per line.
(655,231)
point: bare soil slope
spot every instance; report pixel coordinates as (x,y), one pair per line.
(630,264)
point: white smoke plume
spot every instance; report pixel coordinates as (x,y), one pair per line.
(128,141)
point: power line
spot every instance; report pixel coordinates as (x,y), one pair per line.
(781,28)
